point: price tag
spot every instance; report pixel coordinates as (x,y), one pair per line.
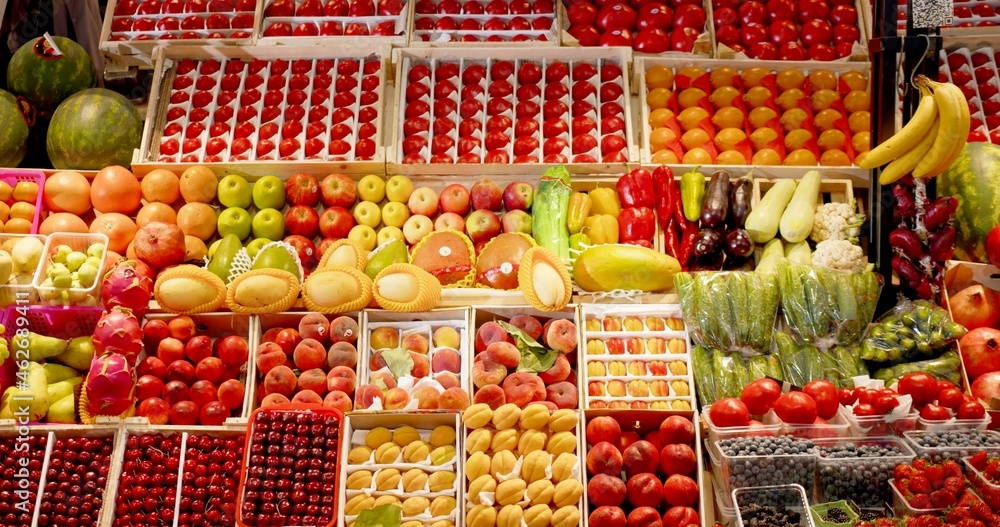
(931,13)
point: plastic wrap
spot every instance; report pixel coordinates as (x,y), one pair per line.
(947,367)
(802,364)
(911,331)
(826,307)
(729,311)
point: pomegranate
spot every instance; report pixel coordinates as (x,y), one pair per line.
(986,387)
(160,244)
(980,351)
(975,307)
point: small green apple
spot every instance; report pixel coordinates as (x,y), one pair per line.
(270,224)
(234,221)
(255,246)
(269,193)
(234,191)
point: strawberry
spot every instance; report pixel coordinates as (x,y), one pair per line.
(942,498)
(955,485)
(978,460)
(969,522)
(935,475)
(981,511)
(920,464)
(951,469)
(902,472)
(968,499)
(885,522)
(920,501)
(919,485)
(958,514)
(993,470)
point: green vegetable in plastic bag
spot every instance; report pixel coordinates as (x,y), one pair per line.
(911,331)
(947,367)
(729,311)
(704,378)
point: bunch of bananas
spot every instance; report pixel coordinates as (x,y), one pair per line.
(932,139)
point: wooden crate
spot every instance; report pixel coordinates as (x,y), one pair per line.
(830,190)
(552,34)
(139,53)
(166,60)
(702,46)
(56,432)
(403,58)
(404,20)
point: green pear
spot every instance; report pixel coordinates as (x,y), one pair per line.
(27,252)
(62,411)
(277,257)
(63,388)
(57,373)
(390,252)
(34,399)
(224,255)
(40,347)
(79,353)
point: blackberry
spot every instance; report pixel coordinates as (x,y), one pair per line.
(858,472)
(755,515)
(836,516)
(868,516)
(953,444)
(762,461)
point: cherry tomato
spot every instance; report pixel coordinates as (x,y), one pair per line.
(951,398)
(760,395)
(796,408)
(971,410)
(825,394)
(864,410)
(847,396)
(729,412)
(885,404)
(933,412)
(866,395)
(921,386)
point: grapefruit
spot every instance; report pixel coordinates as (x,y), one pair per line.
(115,189)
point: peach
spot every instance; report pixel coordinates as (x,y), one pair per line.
(560,335)
(446,359)
(315,326)
(342,354)
(562,394)
(182,327)
(617,368)
(558,372)
(504,353)
(597,405)
(446,337)
(680,490)
(487,372)
(606,516)
(677,430)
(659,405)
(572,377)
(657,368)
(681,516)
(638,388)
(593,324)
(448,380)
(653,437)
(271,335)
(314,380)
(269,355)
(615,346)
(639,405)
(632,323)
(339,400)
(281,380)
(604,458)
(656,346)
(396,399)
(645,490)
(376,362)
(655,324)
(288,338)
(453,399)
(678,459)
(203,392)
(273,400)
(307,396)
(384,338)
(527,324)
(387,379)
(627,439)
(367,393)
(522,388)
(659,388)
(644,517)
(595,347)
(344,329)
(637,368)
(231,393)
(640,457)
(341,379)
(492,395)
(427,397)
(596,389)
(596,369)
(416,342)
(616,388)
(603,428)
(309,354)
(635,346)
(489,333)
(606,490)
(421,366)
(551,406)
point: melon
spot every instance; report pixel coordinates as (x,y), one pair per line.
(93,129)
(13,131)
(974,178)
(46,76)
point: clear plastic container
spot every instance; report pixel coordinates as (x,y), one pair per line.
(837,426)
(767,470)
(974,442)
(878,426)
(953,424)
(19,287)
(792,497)
(51,294)
(987,490)
(716,433)
(901,507)
(724,502)
(863,480)
(821,510)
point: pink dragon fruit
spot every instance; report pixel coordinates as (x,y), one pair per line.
(118,331)
(125,285)
(110,385)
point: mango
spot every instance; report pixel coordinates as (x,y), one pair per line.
(625,267)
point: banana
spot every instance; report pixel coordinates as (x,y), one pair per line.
(905,163)
(963,136)
(908,137)
(950,102)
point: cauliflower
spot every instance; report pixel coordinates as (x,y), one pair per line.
(840,255)
(836,221)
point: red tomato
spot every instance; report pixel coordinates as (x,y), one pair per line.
(866,395)
(944,385)
(759,396)
(825,394)
(933,412)
(951,398)
(971,410)
(921,386)
(864,410)
(847,396)
(796,408)
(885,404)
(729,412)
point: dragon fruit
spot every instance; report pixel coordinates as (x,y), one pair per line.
(126,286)
(118,331)
(110,385)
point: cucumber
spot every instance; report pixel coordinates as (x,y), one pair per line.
(764,219)
(550,211)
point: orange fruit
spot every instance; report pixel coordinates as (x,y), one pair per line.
(17,226)
(730,157)
(160,185)
(860,122)
(722,76)
(659,77)
(156,211)
(660,117)
(198,185)
(658,98)
(834,158)
(789,79)
(194,249)
(857,101)
(766,156)
(115,189)
(196,219)
(664,157)
(4,211)
(659,138)
(119,228)
(800,158)
(822,80)
(67,191)
(62,222)
(826,119)
(697,156)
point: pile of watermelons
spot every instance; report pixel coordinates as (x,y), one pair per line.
(53,99)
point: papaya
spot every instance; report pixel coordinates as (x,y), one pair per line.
(624,267)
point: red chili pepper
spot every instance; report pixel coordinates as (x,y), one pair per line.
(687,244)
(671,240)
(636,223)
(663,186)
(678,206)
(635,189)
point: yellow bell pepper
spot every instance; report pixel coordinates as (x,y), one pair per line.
(602,229)
(604,200)
(579,209)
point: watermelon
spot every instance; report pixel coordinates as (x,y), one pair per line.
(44,77)
(93,129)
(974,178)
(13,131)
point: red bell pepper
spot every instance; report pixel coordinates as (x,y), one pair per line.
(635,189)
(663,187)
(636,223)
(641,243)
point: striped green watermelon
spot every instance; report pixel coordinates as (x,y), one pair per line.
(38,73)
(93,129)
(13,131)
(974,178)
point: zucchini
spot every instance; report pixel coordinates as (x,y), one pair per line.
(762,222)
(798,253)
(551,210)
(771,256)
(797,220)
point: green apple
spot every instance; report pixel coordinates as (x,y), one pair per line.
(371,188)
(234,191)
(269,193)
(390,233)
(269,223)
(234,221)
(255,246)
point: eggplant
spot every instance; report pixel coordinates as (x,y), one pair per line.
(708,263)
(707,243)
(738,264)
(740,196)
(716,206)
(738,243)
